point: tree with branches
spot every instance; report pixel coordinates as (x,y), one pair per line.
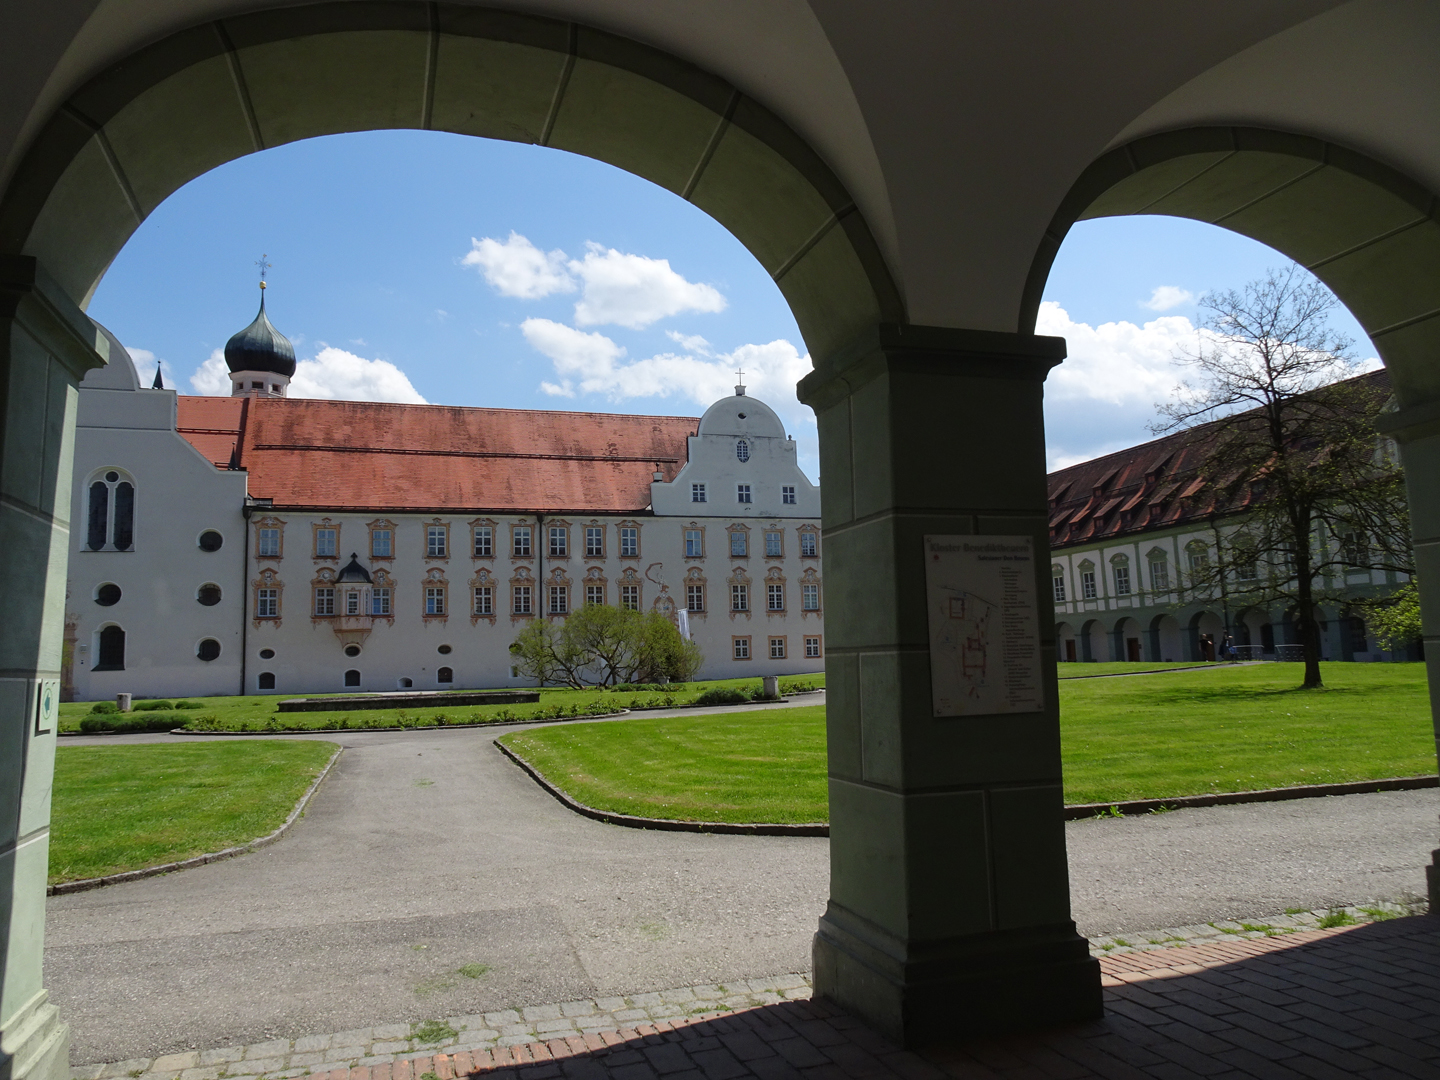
(1295,480)
(600,645)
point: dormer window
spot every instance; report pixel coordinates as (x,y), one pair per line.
(742,450)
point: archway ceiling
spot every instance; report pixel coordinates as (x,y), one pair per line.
(959,128)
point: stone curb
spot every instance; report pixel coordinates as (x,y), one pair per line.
(1228,798)
(630,821)
(201,860)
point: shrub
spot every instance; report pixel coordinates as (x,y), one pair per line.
(722,695)
(189,704)
(627,688)
(152,706)
(131,725)
(102,707)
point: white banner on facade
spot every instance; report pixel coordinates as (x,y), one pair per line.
(984,625)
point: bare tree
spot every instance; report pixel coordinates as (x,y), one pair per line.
(1293,475)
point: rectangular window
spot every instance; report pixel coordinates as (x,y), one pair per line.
(435,546)
(594,541)
(1058,584)
(812,647)
(520,545)
(695,598)
(324,601)
(1159,576)
(1122,581)
(694,544)
(630,597)
(810,597)
(267,603)
(742,493)
(484,542)
(739,597)
(1358,642)
(559,599)
(381,543)
(629,542)
(269,543)
(380,602)
(774,545)
(1355,549)
(594,594)
(324,543)
(1087,584)
(777,648)
(559,542)
(484,600)
(775,597)
(1245,571)
(787,495)
(697,493)
(435,600)
(1199,560)
(352,603)
(808,545)
(739,545)
(522,600)
(740,648)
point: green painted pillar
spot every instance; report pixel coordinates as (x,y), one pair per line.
(1417,429)
(949,907)
(46,346)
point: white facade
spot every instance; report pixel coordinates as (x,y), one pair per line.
(446,594)
(158,586)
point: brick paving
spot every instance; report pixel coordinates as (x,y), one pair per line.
(1355,1001)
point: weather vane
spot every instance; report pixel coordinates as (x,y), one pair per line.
(264,265)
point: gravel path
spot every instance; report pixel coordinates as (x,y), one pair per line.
(427,851)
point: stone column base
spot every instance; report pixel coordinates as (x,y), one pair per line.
(35,1045)
(921,993)
(1432,882)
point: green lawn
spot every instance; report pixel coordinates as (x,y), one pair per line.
(256,712)
(120,808)
(1123,667)
(1186,733)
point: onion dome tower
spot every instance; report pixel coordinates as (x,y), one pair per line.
(260,358)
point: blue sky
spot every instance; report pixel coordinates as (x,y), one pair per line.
(416,266)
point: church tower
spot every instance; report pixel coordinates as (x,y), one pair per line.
(260,358)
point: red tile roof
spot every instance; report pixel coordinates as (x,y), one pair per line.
(351,455)
(1156,482)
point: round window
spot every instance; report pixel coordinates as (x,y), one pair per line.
(209,649)
(444,650)
(108,595)
(112,476)
(210,540)
(209,595)
(352,650)
(267,654)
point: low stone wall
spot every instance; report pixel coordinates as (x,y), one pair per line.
(421,699)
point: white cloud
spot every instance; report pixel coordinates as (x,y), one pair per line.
(518,268)
(212,378)
(145,363)
(690,342)
(635,291)
(1166,297)
(333,374)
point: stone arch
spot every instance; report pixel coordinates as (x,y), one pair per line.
(1067,646)
(1369,232)
(230,87)
(1167,643)
(1126,642)
(1092,641)
(1203,624)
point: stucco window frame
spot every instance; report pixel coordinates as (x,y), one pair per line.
(803,530)
(819,653)
(783,639)
(315,528)
(600,525)
(425,540)
(381,579)
(371,527)
(517,527)
(768,532)
(685,530)
(620,538)
(434,579)
(735,648)
(268,522)
(268,579)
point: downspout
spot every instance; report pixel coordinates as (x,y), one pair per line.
(245,606)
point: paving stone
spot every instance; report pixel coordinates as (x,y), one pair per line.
(273,1048)
(339,1052)
(683,994)
(125,1068)
(393,1047)
(501,1019)
(541,1012)
(255,1065)
(298,1060)
(312,1042)
(209,1072)
(627,1016)
(175,1062)
(87,1072)
(578,1008)
(389,1031)
(222,1055)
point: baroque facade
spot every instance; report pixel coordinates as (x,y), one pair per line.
(264,544)
(1126,536)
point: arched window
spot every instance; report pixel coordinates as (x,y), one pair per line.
(742,450)
(352,677)
(266,681)
(111,512)
(444,675)
(112,650)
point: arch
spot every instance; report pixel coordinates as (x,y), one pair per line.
(1067,649)
(1127,644)
(1167,643)
(445,675)
(1202,625)
(265,681)
(1092,641)
(223,89)
(110,510)
(110,650)
(1366,230)
(352,677)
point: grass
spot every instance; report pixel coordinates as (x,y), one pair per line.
(119,808)
(1079,670)
(1186,733)
(256,712)
(753,766)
